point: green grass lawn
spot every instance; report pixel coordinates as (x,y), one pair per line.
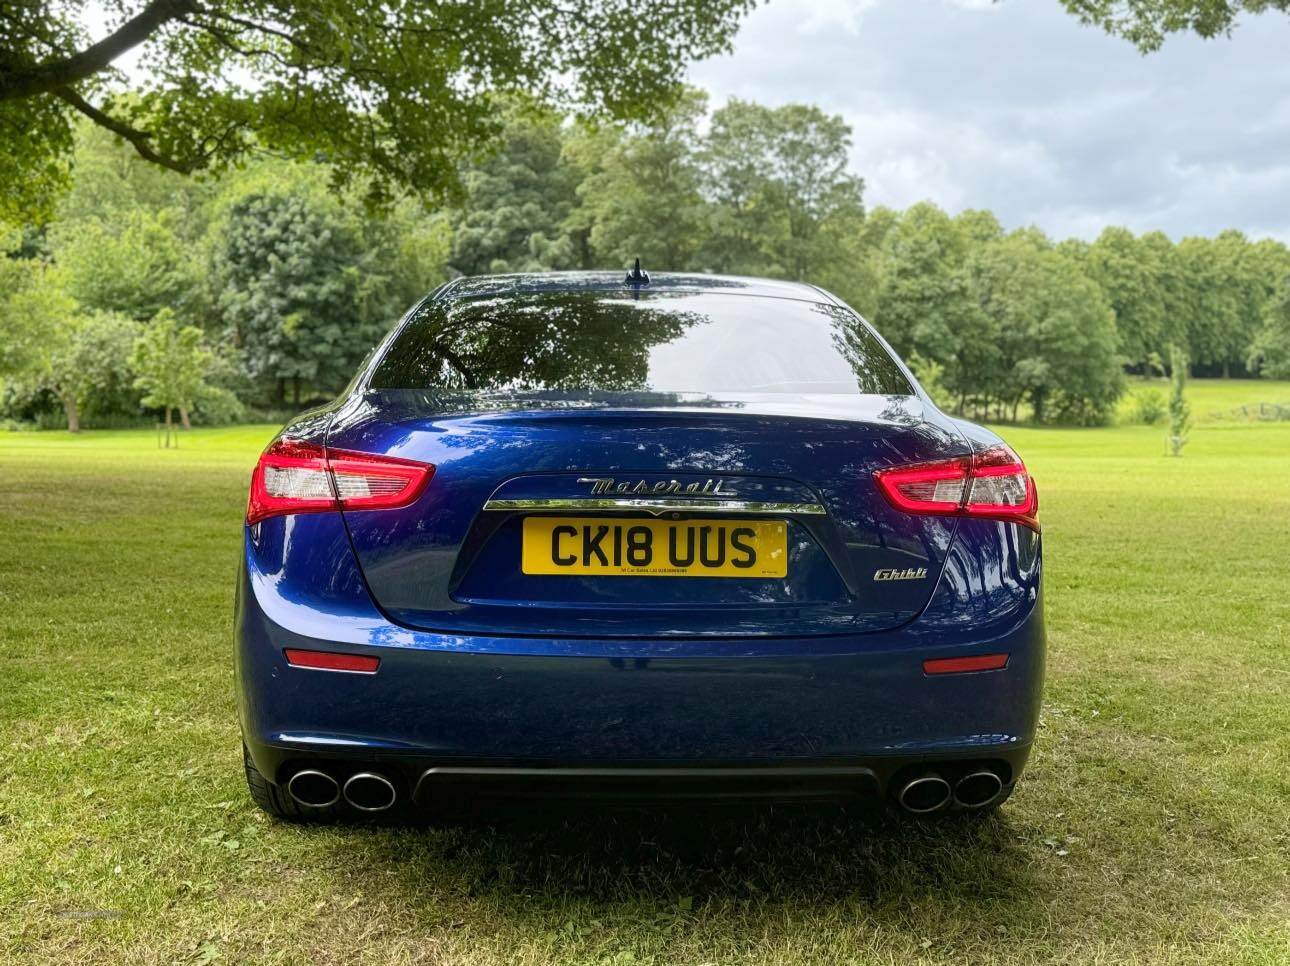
(1152,826)
(1213,400)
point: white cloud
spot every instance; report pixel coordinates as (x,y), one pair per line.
(1031,114)
(823,15)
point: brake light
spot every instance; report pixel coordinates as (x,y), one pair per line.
(993,484)
(293,476)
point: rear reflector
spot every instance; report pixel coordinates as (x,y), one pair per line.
(294,476)
(330,661)
(993,484)
(958,665)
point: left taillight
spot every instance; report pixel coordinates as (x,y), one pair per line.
(993,484)
(294,476)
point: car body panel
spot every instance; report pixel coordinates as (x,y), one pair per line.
(441,564)
(470,697)
(484,667)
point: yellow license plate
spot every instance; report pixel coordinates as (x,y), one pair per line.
(655,548)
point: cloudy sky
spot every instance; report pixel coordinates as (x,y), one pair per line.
(1019,108)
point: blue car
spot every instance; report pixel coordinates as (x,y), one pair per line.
(684,536)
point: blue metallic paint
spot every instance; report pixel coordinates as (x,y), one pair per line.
(439,697)
(756,456)
(469,675)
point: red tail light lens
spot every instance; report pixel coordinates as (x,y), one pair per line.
(962,665)
(299,477)
(331,661)
(993,484)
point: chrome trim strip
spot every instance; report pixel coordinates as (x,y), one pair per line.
(659,506)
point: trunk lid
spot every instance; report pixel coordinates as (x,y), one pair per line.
(452,561)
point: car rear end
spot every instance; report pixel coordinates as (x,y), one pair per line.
(690,539)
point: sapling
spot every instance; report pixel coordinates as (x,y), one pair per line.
(1179,411)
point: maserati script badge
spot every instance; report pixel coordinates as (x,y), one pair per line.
(607,484)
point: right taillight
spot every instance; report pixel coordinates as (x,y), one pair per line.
(993,484)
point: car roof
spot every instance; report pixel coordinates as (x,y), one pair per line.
(523,283)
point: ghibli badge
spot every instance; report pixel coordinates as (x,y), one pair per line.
(895,573)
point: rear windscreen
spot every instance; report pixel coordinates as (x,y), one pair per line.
(673,342)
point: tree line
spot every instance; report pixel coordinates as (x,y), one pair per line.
(261,289)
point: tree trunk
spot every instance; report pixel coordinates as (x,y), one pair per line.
(168,427)
(73,414)
(183,418)
(295,390)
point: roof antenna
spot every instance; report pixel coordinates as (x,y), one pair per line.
(636,276)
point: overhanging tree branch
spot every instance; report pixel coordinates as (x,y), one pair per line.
(139,139)
(49,77)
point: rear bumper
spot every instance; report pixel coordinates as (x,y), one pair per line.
(574,716)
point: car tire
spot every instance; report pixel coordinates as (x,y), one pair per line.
(274,800)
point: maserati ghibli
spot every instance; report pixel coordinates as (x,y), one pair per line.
(579,534)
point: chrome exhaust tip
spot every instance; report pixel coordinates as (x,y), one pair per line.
(313,789)
(977,789)
(370,792)
(924,794)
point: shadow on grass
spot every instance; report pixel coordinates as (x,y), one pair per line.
(602,860)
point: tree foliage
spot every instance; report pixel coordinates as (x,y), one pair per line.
(1051,331)
(395,95)
(779,180)
(301,292)
(1270,352)
(134,263)
(170,361)
(518,199)
(1129,272)
(293,280)
(1147,23)
(50,343)
(639,196)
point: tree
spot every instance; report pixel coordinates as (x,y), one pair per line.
(1269,354)
(134,263)
(394,94)
(640,195)
(34,308)
(1146,23)
(47,342)
(925,304)
(303,283)
(1179,410)
(1051,329)
(171,362)
(1131,278)
(93,369)
(518,200)
(783,200)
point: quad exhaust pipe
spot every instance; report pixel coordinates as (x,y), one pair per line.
(930,792)
(924,794)
(977,789)
(370,792)
(367,791)
(313,789)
